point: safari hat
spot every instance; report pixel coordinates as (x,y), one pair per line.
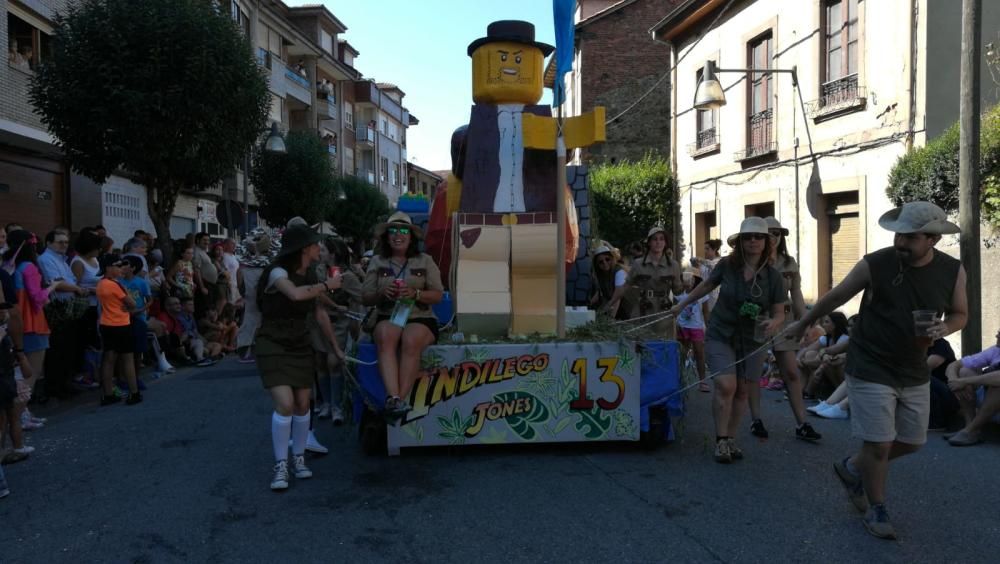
(918,217)
(773,223)
(399,218)
(656,229)
(603,249)
(749,225)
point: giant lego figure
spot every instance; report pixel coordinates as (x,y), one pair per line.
(501,195)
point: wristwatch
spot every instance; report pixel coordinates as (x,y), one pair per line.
(417,297)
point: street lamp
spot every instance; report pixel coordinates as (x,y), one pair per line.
(275,144)
(710,96)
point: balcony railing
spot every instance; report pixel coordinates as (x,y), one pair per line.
(327,108)
(297,86)
(837,96)
(367,175)
(760,136)
(365,136)
(707,140)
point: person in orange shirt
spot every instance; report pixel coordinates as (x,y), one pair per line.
(116,330)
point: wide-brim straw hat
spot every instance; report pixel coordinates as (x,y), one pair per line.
(774,224)
(918,217)
(749,225)
(399,218)
(296,238)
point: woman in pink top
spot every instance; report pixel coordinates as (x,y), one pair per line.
(31,297)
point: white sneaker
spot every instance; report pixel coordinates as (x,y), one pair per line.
(26,449)
(324,411)
(312,445)
(301,470)
(337,415)
(815,409)
(835,412)
(280,479)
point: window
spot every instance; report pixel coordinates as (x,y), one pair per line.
(706,134)
(395,174)
(383,169)
(349,115)
(760,119)
(840,52)
(28,45)
(326,41)
(349,160)
(385,126)
(240,17)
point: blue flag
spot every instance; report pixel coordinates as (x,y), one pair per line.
(562,15)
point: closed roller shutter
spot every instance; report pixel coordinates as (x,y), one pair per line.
(844,244)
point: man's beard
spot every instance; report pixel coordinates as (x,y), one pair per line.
(907,255)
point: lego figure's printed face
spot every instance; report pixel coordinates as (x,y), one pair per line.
(507,73)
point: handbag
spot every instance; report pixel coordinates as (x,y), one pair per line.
(60,313)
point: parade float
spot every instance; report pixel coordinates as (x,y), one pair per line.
(502,226)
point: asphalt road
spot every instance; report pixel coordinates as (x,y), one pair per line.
(184,477)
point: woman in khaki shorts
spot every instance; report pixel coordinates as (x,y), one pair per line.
(786,347)
(750,288)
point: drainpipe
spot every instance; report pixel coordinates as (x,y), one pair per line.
(912,112)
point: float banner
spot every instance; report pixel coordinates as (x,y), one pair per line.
(523,393)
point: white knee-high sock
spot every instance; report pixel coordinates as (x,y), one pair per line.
(281,428)
(300,433)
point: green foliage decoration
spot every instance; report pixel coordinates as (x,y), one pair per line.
(630,197)
(167,91)
(930,173)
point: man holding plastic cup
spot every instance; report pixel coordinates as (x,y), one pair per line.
(907,287)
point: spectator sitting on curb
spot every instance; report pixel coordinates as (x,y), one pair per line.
(182,344)
(976,382)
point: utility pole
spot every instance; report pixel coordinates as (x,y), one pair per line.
(968,171)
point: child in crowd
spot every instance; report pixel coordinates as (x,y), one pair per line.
(116,329)
(140,292)
(215,329)
(691,325)
(204,351)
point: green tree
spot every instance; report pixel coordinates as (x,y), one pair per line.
(930,172)
(167,91)
(356,215)
(629,198)
(297,183)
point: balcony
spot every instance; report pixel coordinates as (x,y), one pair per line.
(332,149)
(760,136)
(365,137)
(326,108)
(297,86)
(275,70)
(838,97)
(707,142)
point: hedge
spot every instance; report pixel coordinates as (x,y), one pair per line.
(631,197)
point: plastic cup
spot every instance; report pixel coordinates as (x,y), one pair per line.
(760,328)
(923,320)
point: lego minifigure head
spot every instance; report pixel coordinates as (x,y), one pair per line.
(507,64)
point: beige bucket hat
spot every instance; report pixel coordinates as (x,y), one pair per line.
(749,225)
(918,217)
(773,223)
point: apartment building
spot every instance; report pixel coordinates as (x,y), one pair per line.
(312,81)
(423,181)
(874,78)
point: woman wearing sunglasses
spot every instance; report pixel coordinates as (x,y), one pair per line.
(786,348)
(608,284)
(749,288)
(399,272)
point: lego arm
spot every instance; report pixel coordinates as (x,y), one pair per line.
(578,131)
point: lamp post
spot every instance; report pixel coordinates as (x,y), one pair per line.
(710,96)
(274,144)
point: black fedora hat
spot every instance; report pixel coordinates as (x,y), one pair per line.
(296,238)
(515,31)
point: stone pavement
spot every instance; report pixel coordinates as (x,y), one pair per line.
(183,478)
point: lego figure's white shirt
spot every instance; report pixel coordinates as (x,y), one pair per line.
(510,191)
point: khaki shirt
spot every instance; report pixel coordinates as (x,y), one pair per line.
(203,263)
(789,270)
(419,272)
(660,277)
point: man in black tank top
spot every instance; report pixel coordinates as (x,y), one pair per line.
(887,374)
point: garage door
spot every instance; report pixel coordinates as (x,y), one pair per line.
(31,192)
(845,232)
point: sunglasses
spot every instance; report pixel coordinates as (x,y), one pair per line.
(775,233)
(399,231)
(752,237)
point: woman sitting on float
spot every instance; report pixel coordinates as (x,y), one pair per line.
(401,278)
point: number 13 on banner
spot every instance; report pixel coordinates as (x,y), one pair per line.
(607,367)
